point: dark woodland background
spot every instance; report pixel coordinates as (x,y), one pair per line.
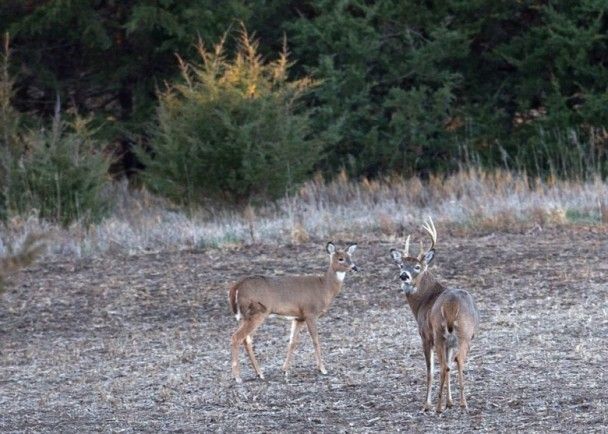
(372,88)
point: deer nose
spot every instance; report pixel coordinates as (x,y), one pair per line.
(405,276)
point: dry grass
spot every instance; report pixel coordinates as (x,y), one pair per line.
(603,205)
(29,250)
(471,200)
(140,343)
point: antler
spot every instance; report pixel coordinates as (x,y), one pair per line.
(407,246)
(429,227)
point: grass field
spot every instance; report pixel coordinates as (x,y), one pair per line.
(119,343)
(474,200)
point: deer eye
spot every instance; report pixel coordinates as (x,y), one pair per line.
(341,259)
(417,267)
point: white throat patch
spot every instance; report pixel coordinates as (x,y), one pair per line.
(340,275)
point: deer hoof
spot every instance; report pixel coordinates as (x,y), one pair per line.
(449,404)
(262,376)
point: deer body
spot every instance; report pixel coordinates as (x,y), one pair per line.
(302,299)
(287,296)
(447,318)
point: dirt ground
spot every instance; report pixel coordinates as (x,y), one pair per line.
(131,344)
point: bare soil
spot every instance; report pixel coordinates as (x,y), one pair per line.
(131,344)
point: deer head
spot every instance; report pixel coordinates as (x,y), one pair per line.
(340,260)
(412,267)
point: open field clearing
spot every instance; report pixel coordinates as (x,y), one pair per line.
(141,343)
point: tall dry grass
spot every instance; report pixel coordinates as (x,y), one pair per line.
(473,200)
(29,249)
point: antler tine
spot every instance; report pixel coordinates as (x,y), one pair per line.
(429,227)
(407,246)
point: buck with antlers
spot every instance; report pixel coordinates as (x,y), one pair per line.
(447,318)
(302,299)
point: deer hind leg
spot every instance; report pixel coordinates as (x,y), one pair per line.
(312,329)
(428,355)
(449,402)
(252,358)
(444,373)
(296,326)
(463,400)
(246,328)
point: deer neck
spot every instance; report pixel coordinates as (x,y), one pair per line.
(333,281)
(427,290)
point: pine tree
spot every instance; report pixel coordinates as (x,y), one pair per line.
(231,129)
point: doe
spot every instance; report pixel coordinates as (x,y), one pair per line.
(302,299)
(447,318)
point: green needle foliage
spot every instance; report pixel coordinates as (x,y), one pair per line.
(408,85)
(231,129)
(9,125)
(60,174)
(405,87)
(57,173)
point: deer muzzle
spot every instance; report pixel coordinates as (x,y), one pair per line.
(405,276)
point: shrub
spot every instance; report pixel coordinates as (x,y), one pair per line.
(231,129)
(9,124)
(60,174)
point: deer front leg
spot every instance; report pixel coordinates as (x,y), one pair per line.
(312,329)
(428,356)
(296,326)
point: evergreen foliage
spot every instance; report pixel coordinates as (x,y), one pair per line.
(105,58)
(230,129)
(10,125)
(60,173)
(405,86)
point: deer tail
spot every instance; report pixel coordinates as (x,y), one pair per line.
(233,298)
(449,333)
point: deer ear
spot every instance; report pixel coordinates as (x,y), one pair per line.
(396,255)
(330,248)
(429,256)
(351,249)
